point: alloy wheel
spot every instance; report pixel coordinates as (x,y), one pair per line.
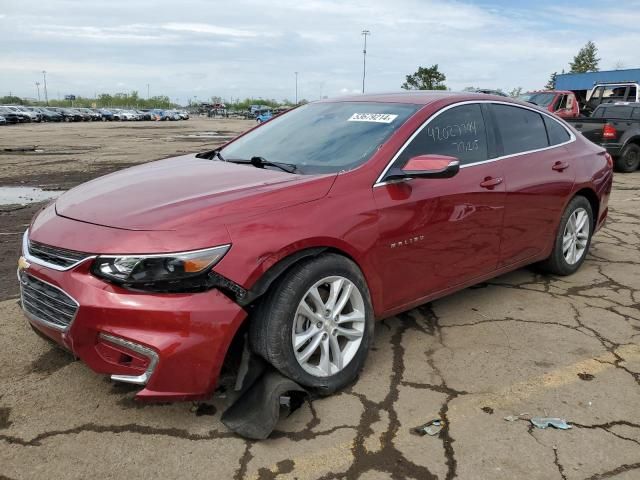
(576,236)
(328,326)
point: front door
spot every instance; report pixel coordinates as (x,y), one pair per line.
(439,233)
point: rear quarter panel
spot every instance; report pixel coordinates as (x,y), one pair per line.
(593,172)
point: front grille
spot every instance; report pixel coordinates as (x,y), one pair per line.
(54,255)
(46,303)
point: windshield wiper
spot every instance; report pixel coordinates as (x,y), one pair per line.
(261,162)
(211,154)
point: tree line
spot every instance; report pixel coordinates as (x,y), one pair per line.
(133,100)
(431,78)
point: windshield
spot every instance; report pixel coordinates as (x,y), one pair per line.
(323,137)
(540,99)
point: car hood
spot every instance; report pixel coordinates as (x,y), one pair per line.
(172,193)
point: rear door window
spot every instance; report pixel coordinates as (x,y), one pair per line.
(631,96)
(520,129)
(458,132)
(619,113)
(556,132)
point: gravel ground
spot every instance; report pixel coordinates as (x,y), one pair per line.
(520,344)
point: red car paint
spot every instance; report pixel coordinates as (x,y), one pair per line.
(414,241)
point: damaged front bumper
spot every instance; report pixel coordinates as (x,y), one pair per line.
(173,345)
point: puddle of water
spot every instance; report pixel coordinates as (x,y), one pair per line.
(202,135)
(25,195)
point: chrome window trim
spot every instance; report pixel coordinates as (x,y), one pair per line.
(43,321)
(572,138)
(152,355)
(38,261)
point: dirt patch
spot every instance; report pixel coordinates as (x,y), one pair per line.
(5,412)
(51,361)
(14,220)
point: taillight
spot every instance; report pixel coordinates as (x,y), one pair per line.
(609,160)
(609,132)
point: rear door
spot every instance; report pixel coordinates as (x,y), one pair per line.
(438,233)
(539,175)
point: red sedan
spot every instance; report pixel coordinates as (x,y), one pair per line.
(305,230)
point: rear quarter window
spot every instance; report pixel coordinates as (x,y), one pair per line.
(556,132)
(520,129)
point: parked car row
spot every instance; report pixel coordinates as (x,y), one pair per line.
(23,114)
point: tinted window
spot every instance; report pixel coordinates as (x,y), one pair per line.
(458,132)
(556,132)
(521,130)
(619,113)
(599,112)
(631,97)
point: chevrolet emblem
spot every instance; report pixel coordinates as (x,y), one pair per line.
(23,264)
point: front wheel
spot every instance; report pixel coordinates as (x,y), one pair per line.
(629,159)
(316,325)
(573,238)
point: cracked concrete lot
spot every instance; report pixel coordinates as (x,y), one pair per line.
(522,343)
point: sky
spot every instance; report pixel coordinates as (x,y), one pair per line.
(196,49)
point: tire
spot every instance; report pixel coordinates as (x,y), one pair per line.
(560,261)
(277,318)
(629,159)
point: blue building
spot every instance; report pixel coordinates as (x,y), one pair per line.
(586,81)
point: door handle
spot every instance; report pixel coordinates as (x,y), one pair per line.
(560,166)
(490,182)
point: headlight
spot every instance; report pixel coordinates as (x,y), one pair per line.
(159,272)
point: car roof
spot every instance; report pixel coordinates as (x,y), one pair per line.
(416,97)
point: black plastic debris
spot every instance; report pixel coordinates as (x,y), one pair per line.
(21,149)
(255,413)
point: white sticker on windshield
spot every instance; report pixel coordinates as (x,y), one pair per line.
(373,117)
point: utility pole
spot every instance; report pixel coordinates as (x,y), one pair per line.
(46,97)
(365,33)
(148,92)
(38,87)
(296,87)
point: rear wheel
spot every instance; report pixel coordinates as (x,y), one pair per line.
(573,238)
(315,326)
(629,159)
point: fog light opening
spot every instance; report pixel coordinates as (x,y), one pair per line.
(125,359)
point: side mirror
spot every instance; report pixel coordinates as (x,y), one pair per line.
(427,166)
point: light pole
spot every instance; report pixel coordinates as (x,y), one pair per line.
(296,87)
(46,97)
(365,33)
(38,87)
(147,91)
